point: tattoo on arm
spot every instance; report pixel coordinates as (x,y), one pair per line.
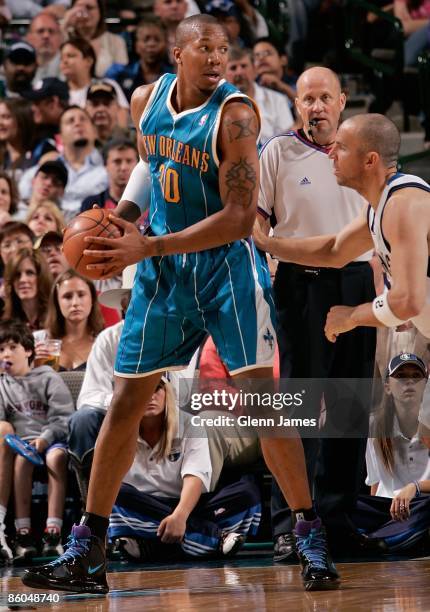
(159,247)
(242,128)
(241,180)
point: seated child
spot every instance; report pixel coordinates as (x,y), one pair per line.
(36,404)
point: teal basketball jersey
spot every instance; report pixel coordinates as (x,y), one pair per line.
(182,155)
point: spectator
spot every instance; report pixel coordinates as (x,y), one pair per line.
(77,65)
(46,37)
(171,12)
(97,387)
(151,49)
(243,22)
(49,246)
(274,109)
(397,515)
(120,158)
(74,317)
(36,405)
(102,107)
(271,68)
(45,217)
(14,236)
(48,183)
(8,198)
(27,283)
(19,69)
(49,97)
(86,19)
(170,504)
(83,162)
(415,18)
(16,136)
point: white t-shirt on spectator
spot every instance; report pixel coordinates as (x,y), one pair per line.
(188,456)
(275,112)
(411,462)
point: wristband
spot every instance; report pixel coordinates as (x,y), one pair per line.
(139,186)
(382,311)
(418,490)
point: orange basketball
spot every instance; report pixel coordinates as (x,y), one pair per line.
(93,222)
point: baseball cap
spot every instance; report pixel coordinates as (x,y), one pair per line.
(45,88)
(21,53)
(101,88)
(112,297)
(222,8)
(57,168)
(50,236)
(403,359)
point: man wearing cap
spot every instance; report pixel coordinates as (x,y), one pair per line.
(46,37)
(19,69)
(49,246)
(48,183)
(49,98)
(102,106)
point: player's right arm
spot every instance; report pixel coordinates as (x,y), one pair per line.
(330,251)
(131,209)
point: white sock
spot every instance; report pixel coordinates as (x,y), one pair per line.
(3,511)
(54,523)
(23,523)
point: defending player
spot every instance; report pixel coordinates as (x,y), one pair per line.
(396,223)
(196,274)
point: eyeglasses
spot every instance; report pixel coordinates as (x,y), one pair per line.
(262,54)
(12,245)
(50,248)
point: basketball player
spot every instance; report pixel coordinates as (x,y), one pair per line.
(396,223)
(196,274)
(298,189)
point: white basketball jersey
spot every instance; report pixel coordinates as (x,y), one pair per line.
(382,246)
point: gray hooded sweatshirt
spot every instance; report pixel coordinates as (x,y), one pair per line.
(38,405)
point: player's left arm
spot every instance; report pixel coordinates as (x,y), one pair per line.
(408,239)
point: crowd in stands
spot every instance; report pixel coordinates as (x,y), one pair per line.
(66,144)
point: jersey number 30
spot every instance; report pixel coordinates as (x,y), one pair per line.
(169,180)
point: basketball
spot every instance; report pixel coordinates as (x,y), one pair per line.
(93,222)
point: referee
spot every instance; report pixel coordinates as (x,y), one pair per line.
(301,197)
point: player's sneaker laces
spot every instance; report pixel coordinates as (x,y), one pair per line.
(6,554)
(318,570)
(82,568)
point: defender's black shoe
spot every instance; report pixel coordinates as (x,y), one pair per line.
(82,568)
(318,570)
(284,548)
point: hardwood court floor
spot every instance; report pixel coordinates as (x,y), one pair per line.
(250,586)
